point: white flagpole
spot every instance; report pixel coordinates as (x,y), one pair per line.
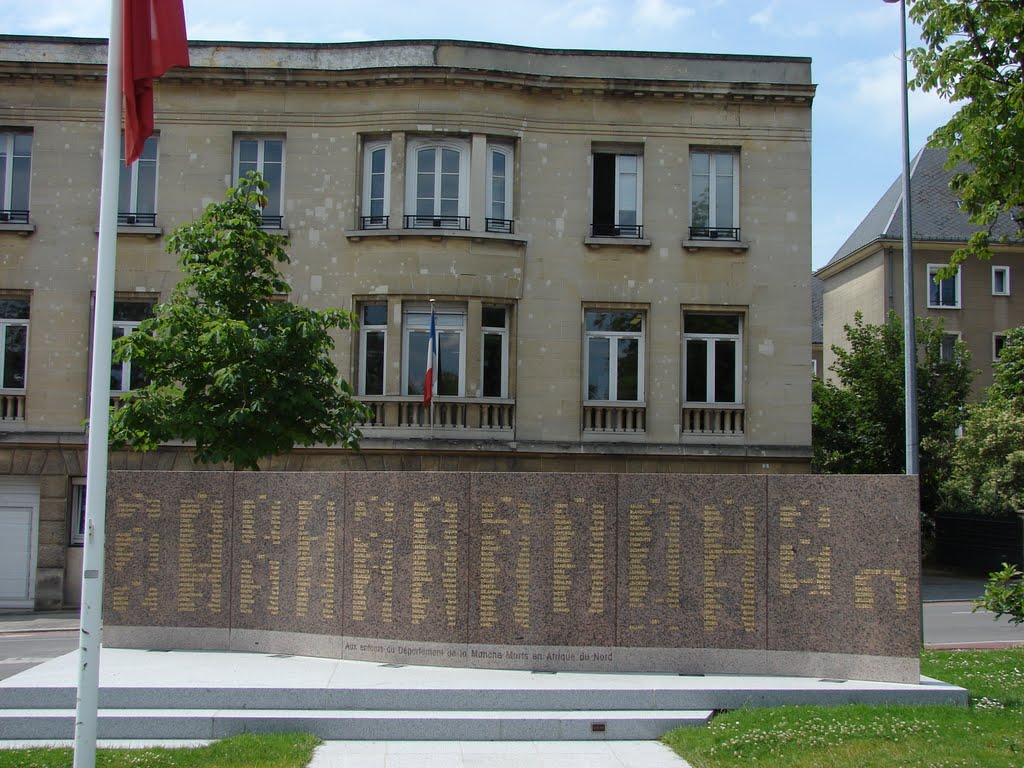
(91,633)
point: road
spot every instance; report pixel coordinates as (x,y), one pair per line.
(19,652)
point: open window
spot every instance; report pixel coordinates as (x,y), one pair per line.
(618,185)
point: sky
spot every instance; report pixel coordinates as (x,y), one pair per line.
(853,44)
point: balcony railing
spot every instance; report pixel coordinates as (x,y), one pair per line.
(12,406)
(271,222)
(136,219)
(8,216)
(437,222)
(714,233)
(450,413)
(373,222)
(500,226)
(617,418)
(715,419)
(635,231)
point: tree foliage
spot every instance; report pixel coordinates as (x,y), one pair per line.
(1004,595)
(230,365)
(987,475)
(972,57)
(859,423)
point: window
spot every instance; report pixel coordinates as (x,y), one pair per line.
(125,377)
(437,181)
(617,186)
(499,189)
(712,357)
(76,519)
(494,352)
(15,172)
(136,203)
(376,185)
(998,342)
(449,368)
(14,329)
(266,156)
(1000,281)
(944,294)
(947,346)
(714,195)
(613,351)
(373,337)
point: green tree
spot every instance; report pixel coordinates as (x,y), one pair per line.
(230,365)
(859,422)
(987,473)
(972,57)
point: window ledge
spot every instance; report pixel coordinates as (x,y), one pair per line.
(435,234)
(21,229)
(941,306)
(736,246)
(640,243)
(132,229)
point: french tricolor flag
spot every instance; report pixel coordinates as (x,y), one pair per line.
(428,379)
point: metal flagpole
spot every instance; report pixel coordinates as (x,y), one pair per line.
(91,637)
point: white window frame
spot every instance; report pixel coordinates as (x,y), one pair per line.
(1005,272)
(710,339)
(364,330)
(7,190)
(618,192)
(998,340)
(130,175)
(273,196)
(507,152)
(421,324)
(613,371)
(956,337)
(76,518)
(932,271)
(127,327)
(5,325)
(712,155)
(413,148)
(369,150)
(490,330)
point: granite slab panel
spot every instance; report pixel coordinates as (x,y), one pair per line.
(844,564)
(287,552)
(168,549)
(691,561)
(542,559)
(405,556)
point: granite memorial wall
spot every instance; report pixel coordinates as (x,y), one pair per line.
(758,574)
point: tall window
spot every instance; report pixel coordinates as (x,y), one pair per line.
(266,156)
(714,195)
(373,337)
(947,346)
(15,173)
(494,351)
(125,376)
(449,368)
(712,357)
(617,195)
(944,294)
(14,330)
(437,182)
(1000,281)
(998,342)
(376,185)
(499,189)
(613,351)
(136,203)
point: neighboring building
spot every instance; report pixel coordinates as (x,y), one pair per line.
(817,327)
(618,244)
(978,305)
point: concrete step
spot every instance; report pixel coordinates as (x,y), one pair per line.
(355,724)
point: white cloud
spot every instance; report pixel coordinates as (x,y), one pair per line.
(593,17)
(763,18)
(660,13)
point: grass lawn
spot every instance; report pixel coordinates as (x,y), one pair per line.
(989,733)
(251,750)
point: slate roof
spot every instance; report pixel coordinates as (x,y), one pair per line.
(935,213)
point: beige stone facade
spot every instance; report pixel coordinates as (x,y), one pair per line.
(598,318)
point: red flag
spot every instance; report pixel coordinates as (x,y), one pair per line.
(428,378)
(154,41)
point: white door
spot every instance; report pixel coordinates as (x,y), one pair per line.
(19,516)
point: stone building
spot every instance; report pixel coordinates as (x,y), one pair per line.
(977,306)
(617,243)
